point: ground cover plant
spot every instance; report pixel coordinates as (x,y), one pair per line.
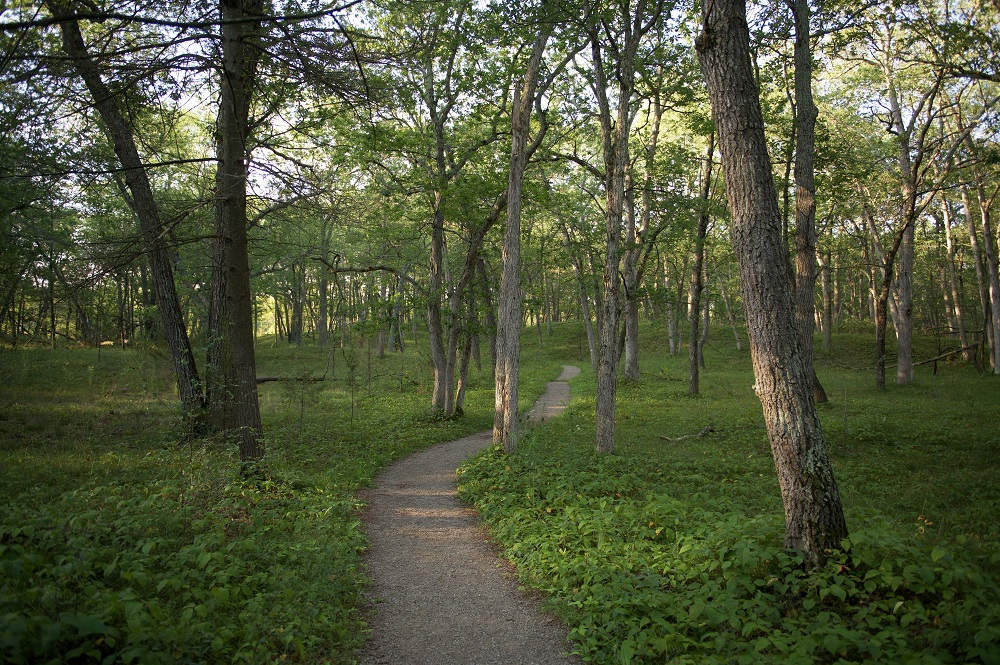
(122,542)
(670,550)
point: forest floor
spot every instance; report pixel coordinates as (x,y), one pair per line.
(440,593)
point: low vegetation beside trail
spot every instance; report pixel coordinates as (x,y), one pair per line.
(671,550)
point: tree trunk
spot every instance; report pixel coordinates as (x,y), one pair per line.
(143,203)
(814,518)
(952,282)
(992,269)
(805,194)
(491,320)
(233,396)
(904,299)
(694,293)
(827,288)
(981,278)
(508,340)
(730,312)
(614,144)
(636,237)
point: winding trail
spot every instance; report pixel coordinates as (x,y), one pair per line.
(439,593)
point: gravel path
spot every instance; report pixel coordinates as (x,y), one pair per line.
(440,594)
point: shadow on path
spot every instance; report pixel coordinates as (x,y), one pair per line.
(439,592)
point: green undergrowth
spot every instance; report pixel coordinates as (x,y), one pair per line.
(119,542)
(671,549)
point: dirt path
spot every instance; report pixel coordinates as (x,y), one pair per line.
(439,592)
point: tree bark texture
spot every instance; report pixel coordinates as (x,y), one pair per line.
(143,203)
(508,338)
(814,518)
(233,399)
(805,193)
(614,143)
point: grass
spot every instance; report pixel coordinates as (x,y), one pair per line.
(119,541)
(689,531)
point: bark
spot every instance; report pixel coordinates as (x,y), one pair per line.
(952,282)
(614,144)
(636,237)
(981,277)
(992,269)
(491,320)
(146,210)
(508,342)
(828,298)
(805,193)
(694,293)
(730,312)
(814,518)
(233,386)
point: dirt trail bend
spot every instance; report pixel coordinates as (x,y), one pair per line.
(439,592)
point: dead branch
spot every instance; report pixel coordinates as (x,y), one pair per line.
(705,432)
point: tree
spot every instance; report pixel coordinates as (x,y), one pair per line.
(508,336)
(625,27)
(697,269)
(805,191)
(143,203)
(814,517)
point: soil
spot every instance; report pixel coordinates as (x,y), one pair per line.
(440,593)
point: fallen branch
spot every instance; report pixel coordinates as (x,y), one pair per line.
(945,355)
(271,379)
(705,432)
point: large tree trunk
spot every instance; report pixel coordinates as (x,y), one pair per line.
(814,518)
(233,397)
(508,337)
(805,194)
(140,198)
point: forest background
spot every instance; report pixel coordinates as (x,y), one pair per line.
(191,179)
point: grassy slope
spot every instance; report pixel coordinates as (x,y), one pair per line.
(688,532)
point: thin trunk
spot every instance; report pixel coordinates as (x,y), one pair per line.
(992,268)
(143,203)
(828,298)
(694,293)
(730,313)
(614,144)
(805,194)
(981,275)
(952,283)
(508,342)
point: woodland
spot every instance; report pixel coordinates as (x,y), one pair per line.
(251,252)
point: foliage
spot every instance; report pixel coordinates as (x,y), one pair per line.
(119,542)
(672,550)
